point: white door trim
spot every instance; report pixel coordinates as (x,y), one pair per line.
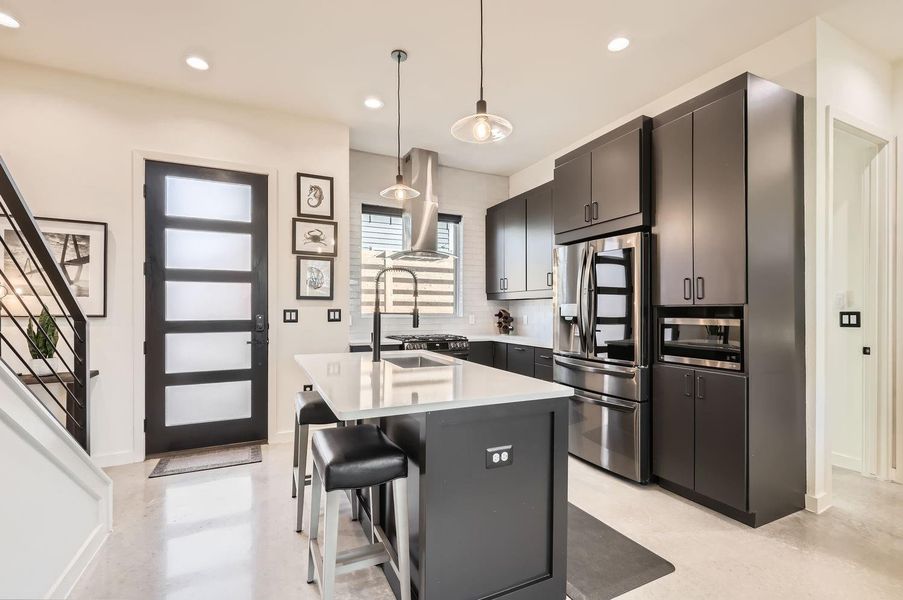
(137,252)
(877,459)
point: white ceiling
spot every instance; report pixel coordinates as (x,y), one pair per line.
(547,67)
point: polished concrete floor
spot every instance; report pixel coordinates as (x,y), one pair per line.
(229,533)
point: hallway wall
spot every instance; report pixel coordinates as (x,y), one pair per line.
(70,142)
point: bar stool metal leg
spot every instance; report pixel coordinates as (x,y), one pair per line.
(400,489)
(295,472)
(316,490)
(330,544)
(301,440)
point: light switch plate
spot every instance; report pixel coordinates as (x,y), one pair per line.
(290,315)
(333,315)
(500,456)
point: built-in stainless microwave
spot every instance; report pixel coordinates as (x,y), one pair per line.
(704,342)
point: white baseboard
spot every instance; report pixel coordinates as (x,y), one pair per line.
(846,462)
(63,587)
(818,503)
(113,459)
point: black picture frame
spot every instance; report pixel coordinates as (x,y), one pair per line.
(335,237)
(301,260)
(303,210)
(90,310)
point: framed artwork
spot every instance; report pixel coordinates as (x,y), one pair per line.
(79,247)
(314,238)
(314,196)
(314,278)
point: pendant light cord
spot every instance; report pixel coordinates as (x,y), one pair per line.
(398,103)
(481,49)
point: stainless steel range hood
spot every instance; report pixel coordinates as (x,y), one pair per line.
(421,214)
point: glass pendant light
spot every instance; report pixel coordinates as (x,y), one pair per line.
(399,191)
(482,127)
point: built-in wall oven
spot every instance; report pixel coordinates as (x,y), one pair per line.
(601,339)
(712,342)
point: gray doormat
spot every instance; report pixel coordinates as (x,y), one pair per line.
(604,564)
(204,460)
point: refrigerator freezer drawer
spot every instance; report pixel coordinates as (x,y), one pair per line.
(610,433)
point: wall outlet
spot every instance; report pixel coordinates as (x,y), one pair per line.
(307,387)
(500,456)
(333,315)
(472,319)
(290,315)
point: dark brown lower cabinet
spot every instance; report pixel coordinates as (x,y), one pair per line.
(520,359)
(481,353)
(500,355)
(673,424)
(699,438)
(721,442)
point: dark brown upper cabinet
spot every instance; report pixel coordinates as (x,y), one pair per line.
(539,238)
(699,231)
(519,246)
(603,187)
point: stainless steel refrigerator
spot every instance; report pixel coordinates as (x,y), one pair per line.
(601,339)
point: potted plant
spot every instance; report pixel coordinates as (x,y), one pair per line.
(42,344)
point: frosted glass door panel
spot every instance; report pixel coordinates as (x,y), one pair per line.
(195,352)
(204,199)
(206,402)
(611,275)
(207,301)
(212,250)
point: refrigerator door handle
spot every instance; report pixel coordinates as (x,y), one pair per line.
(592,308)
(612,370)
(580,303)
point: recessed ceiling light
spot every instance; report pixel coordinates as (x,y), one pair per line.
(8,21)
(618,44)
(198,63)
(373,102)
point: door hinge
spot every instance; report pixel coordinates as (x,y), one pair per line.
(145,348)
(145,268)
(145,190)
(145,425)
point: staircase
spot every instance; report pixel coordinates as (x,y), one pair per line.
(56,505)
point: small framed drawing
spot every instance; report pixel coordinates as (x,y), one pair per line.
(314,238)
(79,248)
(314,278)
(314,196)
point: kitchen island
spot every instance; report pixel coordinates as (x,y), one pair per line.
(488,469)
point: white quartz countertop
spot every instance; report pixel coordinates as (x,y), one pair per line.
(473,337)
(356,388)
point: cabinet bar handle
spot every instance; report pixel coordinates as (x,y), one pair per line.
(519,349)
(595,211)
(700,388)
(700,288)
(688,385)
(586,218)
(688,288)
(549,279)
(545,356)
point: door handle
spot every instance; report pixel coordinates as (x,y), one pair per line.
(700,387)
(519,349)
(501,283)
(700,288)
(586,218)
(595,211)
(506,283)
(688,385)
(549,279)
(688,288)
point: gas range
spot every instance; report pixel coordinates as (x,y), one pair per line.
(457,345)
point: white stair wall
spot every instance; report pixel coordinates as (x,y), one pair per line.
(55,504)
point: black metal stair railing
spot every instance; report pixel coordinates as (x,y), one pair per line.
(32,282)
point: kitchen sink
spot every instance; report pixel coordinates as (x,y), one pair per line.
(416,362)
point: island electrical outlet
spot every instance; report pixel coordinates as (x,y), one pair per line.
(500,456)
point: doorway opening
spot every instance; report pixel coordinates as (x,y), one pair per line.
(862,403)
(205,307)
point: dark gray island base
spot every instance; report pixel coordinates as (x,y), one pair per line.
(480,530)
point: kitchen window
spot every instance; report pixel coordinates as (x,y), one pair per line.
(438,280)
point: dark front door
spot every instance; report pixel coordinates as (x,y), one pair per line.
(206,306)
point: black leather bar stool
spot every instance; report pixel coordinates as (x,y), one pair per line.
(350,458)
(310,409)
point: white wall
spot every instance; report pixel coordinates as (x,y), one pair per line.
(898,421)
(71,143)
(55,509)
(855,82)
(464,193)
